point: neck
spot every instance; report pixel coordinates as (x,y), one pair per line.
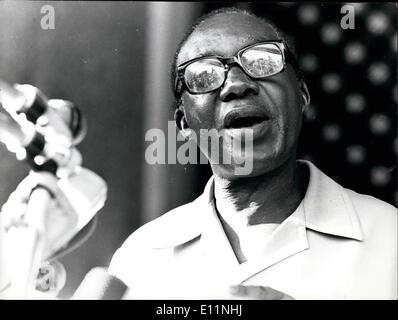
(269,198)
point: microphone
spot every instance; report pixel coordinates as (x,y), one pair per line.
(21,138)
(41,131)
(13,133)
(45,132)
(98,284)
(58,114)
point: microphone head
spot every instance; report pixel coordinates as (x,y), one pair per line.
(98,284)
(72,116)
(33,103)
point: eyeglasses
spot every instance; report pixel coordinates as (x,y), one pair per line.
(206,74)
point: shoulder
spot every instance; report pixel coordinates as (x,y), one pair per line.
(329,196)
(377,218)
(379,224)
(170,229)
(370,207)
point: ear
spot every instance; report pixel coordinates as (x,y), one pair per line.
(182,124)
(305,95)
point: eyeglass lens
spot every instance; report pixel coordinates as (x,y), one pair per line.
(208,74)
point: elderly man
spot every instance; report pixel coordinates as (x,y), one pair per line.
(283,231)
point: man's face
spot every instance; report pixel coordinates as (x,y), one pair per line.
(277,98)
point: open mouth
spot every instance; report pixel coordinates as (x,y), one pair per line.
(245,122)
(247,117)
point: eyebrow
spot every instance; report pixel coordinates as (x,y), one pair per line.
(207,53)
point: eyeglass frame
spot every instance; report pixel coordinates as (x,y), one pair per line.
(287,56)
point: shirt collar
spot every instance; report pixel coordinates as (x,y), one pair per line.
(328,208)
(326,205)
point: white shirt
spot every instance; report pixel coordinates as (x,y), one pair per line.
(338,244)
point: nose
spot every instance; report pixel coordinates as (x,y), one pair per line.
(237,85)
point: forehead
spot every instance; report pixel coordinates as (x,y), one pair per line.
(224,35)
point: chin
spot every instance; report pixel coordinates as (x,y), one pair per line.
(246,168)
(238,172)
(259,163)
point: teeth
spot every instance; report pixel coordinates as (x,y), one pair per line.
(245,122)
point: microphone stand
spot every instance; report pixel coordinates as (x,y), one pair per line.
(29,240)
(83,195)
(29,246)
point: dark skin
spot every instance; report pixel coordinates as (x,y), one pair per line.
(276,185)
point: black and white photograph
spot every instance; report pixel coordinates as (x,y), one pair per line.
(198,151)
